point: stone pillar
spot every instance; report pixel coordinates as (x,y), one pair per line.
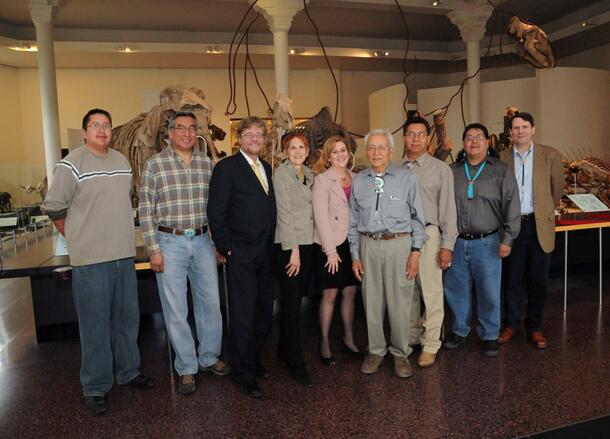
(279,14)
(42,12)
(471,23)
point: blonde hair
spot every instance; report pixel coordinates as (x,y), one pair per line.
(324,161)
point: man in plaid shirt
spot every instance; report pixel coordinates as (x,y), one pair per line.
(173,203)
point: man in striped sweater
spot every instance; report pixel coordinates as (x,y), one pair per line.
(89,203)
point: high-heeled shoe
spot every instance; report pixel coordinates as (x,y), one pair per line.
(356,355)
(326,361)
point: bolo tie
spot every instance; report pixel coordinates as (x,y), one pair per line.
(471,180)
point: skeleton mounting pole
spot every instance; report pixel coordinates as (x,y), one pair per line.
(42,12)
(471,23)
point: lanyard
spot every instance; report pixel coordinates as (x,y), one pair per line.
(471,180)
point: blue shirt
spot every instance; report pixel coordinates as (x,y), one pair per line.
(524,174)
(397,208)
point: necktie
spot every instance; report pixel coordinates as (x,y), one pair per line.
(257,171)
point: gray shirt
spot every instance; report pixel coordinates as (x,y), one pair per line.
(438,198)
(496,200)
(396,209)
(92,193)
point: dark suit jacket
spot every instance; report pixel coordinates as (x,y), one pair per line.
(240,214)
(548,189)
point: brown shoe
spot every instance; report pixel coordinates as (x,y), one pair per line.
(371,364)
(187,384)
(506,335)
(538,340)
(426,359)
(402,367)
(219,368)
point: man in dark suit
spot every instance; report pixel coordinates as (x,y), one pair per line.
(539,175)
(242,215)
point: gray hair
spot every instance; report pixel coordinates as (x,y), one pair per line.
(172,119)
(380,131)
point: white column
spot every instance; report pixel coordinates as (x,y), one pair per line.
(279,14)
(41,12)
(471,23)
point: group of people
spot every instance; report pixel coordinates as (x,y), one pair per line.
(412,235)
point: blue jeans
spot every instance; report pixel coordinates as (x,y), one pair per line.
(475,262)
(106,301)
(191,258)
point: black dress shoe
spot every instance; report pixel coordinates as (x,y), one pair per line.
(250,388)
(261,372)
(302,377)
(141,382)
(356,355)
(97,404)
(326,361)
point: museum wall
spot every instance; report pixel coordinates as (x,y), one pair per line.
(570,106)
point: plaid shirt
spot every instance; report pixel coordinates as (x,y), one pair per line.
(172,195)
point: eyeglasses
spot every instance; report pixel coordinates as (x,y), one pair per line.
(252,136)
(414,134)
(473,138)
(96,125)
(181,129)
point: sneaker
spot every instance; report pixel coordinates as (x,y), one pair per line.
(426,359)
(453,341)
(490,348)
(371,363)
(219,368)
(506,335)
(97,404)
(402,367)
(187,384)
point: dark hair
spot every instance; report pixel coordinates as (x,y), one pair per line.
(413,121)
(475,126)
(172,119)
(91,113)
(525,116)
(293,135)
(248,122)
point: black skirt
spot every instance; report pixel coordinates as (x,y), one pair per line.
(344,277)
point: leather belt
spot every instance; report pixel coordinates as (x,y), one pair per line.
(528,217)
(383,236)
(190,232)
(471,236)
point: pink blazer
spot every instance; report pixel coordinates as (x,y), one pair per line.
(330,211)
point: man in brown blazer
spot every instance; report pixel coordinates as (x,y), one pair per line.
(539,175)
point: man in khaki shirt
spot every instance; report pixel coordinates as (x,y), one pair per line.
(436,185)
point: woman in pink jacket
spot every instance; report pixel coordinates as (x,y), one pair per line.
(331,193)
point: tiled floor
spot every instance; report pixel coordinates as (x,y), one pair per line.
(465,395)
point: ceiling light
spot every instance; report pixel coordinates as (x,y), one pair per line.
(24,46)
(297,51)
(381,53)
(123,48)
(436,2)
(588,23)
(213,49)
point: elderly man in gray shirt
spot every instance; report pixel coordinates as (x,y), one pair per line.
(386,233)
(436,184)
(489,219)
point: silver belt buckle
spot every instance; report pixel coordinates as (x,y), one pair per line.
(190,232)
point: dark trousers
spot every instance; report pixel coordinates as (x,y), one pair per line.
(526,273)
(292,290)
(250,310)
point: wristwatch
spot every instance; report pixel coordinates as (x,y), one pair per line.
(415,249)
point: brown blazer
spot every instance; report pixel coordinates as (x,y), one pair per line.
(548,189)
(330,212)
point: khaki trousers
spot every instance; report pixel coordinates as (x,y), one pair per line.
(385,286)
(429,289)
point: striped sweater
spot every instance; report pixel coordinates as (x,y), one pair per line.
(92,193)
